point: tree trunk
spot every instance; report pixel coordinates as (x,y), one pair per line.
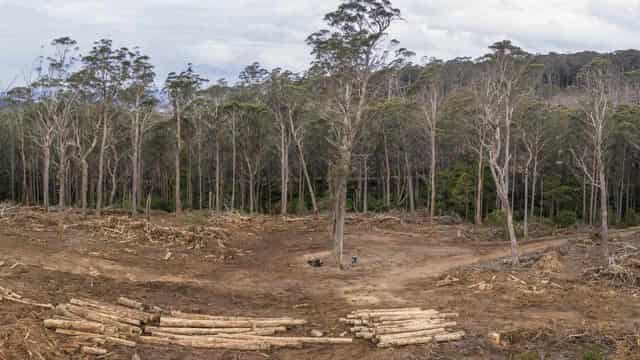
(526,205)
(365,206)
(61,172)
(103,148)
(387,167)
(303,162)
(479,189)
(135,166)
(84,188)
(412,206)
(46,163)
(234,158)
(432,206)
(218,172)
(284,169)
(178,197)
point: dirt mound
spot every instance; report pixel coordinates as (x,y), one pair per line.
(550,263)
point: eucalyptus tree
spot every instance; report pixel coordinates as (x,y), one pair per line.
(105,74)
(346,57)
(140,103)
(431,94)
(53,109)
(501,88)
(182,89)
(600,82)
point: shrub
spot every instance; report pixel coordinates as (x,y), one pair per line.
(566,218)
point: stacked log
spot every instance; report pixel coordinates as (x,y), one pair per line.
(403,326)
(229,332)
(93,324)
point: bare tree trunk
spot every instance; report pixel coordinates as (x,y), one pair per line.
(61,171)
(103,148)
(526,204)
(46,163)
(412,206)
(178,197)
(432,206)
(303,162)
(479,189)
(23,160)
(284,168)
(365,205)
(234,157)
(84,188)
(218,172)
(387,166)
(200,180)
(135,165)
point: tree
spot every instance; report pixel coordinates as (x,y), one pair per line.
(345,58)
(182,89)
(54,111)
(431,94)
(140,102)
(104,76)
(600,83)
(499,90)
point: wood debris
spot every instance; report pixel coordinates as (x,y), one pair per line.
(10,295)
(403,326)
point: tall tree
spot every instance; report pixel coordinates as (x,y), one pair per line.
(346,57)
(182,89)
(104,76)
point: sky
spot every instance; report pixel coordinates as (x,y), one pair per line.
(220,37)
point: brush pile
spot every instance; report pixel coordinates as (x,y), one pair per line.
(402,326)
(93,324)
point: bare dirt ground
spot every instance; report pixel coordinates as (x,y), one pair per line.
(545,309)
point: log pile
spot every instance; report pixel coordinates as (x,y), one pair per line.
(229,332)
(93,325)
(403,326)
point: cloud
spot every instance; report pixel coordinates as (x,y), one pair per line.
(222,36)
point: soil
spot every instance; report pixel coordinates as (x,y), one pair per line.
(544,309)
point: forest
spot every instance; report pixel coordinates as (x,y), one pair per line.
(359,205)
(509,135)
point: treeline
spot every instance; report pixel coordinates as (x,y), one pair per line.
(510,134)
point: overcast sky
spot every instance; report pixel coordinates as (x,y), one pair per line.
(221,36)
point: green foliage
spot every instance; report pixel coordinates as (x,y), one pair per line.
(565,218)
(529,355)
(631,218)
(161,204)
(594,353)
(496,218)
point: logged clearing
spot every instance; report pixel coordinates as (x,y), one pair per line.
(237,287)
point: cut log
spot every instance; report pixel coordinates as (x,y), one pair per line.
(110,320)
(21,300)
(213,331)
(90,350)
(207,344)
(414,327)
(408,323)
(133,304)
(107,339)
(177,322)
(62,310)
(306,340)
(423,340)
(189,316)
(431,332)
(116,309)
(372,311)
(81,311)
(87,326)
